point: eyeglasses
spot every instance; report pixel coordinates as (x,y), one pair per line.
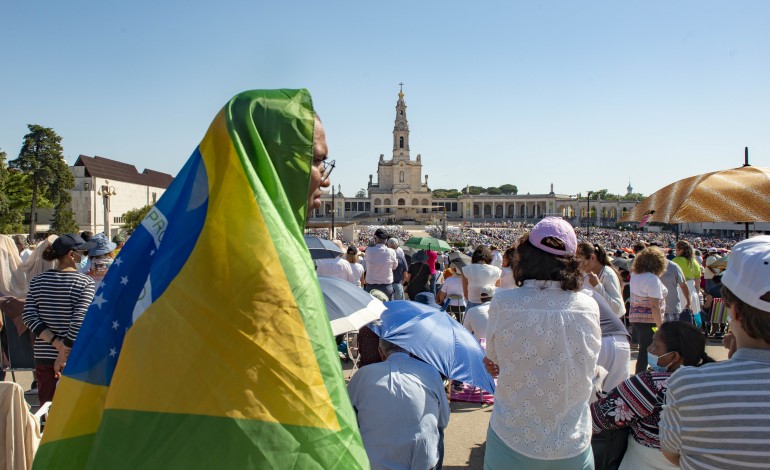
(326,169)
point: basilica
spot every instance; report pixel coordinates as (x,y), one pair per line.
(401,195)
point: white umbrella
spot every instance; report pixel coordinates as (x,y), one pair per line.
(349,307)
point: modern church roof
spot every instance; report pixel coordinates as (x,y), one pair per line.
(101,167)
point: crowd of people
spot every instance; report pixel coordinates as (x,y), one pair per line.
(560,315)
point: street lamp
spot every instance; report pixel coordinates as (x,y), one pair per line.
(107,191)
(589,214)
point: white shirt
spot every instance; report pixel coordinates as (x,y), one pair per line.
(337,267)
(497,259)
(25,254)
(454,286)
(358,271)
(506,278)
(380,263)
(546,342)
(609,289)
(480,275)
(476,319)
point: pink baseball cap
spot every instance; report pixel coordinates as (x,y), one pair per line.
(557,228)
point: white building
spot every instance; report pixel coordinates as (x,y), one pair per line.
(106,189)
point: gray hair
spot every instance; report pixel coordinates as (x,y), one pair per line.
(389,348)
(392,242)
(20,240)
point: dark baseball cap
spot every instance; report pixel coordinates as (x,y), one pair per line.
(70,242)
(381,234)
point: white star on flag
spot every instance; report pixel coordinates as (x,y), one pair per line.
(152,253)
(99,300)
(103,285)
(115,325)
(113,352)
(124,280)
(118,261)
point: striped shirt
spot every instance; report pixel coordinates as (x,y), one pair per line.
(718,415)
(57,300)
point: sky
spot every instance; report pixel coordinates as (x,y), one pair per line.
(584,95)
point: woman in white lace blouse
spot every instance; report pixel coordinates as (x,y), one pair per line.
(543,338)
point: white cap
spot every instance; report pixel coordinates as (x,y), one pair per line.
(488,291)
(712,250)
(748,271)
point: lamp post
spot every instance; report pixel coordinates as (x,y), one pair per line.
(589,214)
(107,191)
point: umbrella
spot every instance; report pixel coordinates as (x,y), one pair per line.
(321,248)
(408,250)
(428,243)
(349,307)
(437,339)
(460,260)
(736,195)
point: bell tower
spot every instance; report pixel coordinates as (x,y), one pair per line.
(401,129)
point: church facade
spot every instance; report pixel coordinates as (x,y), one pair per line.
(401,195)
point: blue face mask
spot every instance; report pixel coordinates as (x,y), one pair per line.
(652,361)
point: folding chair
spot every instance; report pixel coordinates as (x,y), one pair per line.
(718,320)
(21,354)
(459,313)
(351,337)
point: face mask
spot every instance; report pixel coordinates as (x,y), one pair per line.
(652,360)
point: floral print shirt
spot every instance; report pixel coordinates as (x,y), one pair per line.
(636,403)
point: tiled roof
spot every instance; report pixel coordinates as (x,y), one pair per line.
(101,167)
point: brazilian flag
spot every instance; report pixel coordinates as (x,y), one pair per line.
(207,344)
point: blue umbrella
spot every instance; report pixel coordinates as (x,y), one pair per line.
(437,339)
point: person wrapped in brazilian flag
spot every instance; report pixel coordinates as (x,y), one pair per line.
(208,344)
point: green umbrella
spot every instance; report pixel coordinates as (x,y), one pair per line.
(428,243)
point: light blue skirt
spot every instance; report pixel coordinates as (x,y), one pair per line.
(498,456)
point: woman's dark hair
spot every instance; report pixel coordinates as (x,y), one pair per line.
(482,253)
(49,254)
(586,249)
(755,322)
(685,339)
(534,263)
(510,254)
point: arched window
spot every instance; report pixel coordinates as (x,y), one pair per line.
(401,202)
(401,177)
(401,112)
(401,142)
(415,202)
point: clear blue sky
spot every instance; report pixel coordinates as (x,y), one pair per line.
(581,94)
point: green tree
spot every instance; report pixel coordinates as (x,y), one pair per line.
(5,202)
(473,190)
(41,160)
(63,217)
(134,217)
(509,189)
(361,193)
(19,196)
(493,190)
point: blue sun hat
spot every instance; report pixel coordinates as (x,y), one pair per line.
(103,245)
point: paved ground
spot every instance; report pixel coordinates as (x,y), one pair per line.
(466,435)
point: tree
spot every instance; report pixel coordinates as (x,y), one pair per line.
(134,217)
(63,217)
(473,190)
(41,160)
(493,190)
(509,189)
(361,194)
(5,202)
(19,199)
